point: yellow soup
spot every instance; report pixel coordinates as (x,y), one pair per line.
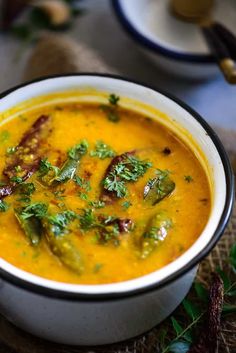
(97,194)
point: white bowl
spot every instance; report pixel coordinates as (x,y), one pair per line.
(176,46)
(101,314)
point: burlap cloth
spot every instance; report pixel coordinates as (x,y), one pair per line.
(57,54)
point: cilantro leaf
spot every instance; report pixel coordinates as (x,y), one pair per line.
(102,151)
(113,99)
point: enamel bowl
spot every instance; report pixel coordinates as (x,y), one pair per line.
(174,45)
(108,313)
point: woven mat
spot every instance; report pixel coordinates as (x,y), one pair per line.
(55,55)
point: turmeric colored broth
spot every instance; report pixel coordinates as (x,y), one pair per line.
(188,206)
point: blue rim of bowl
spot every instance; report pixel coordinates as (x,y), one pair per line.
(227,211)
(154,46)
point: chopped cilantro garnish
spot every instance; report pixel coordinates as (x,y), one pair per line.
(16,179)
(113,184)
(11,150)
(111,109)
(59,194)
(97,204)
(44,167)
(87,219)
(130,168)
(25,190)
(188,178)
(78,150)
(83,183)
(83,196)
(126,205)
(60,221)
(102,151)
(113,116)
(113,99)
(18,168)
(38,210)
(97,267)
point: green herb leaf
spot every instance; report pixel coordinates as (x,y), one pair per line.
(11,150)
(3,206)
(44,167)
(126,205)
(202,293)
(25,190)
(102,151)
(97,268)
(83,196)
(60,221)
(188,178)
(87,219)
(130,168)
(191,309)
(59,194)
(38,210)
(113,184)
(159,187)
(18,168)
(16,179)
(4,136)
(83,183)
(113,99)
(113,116)
(97,204)
(111,110)
(177,327)
(78,150)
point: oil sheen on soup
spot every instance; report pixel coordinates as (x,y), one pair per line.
(95,194)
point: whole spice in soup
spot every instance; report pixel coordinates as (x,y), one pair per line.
(159,187)
(29,219)
(71,164)
(61,244)
(27,151)
(122,169)
(111,227)
(22,164)
(81,192)
(155,234)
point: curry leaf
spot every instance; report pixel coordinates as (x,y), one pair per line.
(201,291)
(191,309)
(177,327)
(3,206)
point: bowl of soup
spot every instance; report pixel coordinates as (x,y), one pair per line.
(111,194)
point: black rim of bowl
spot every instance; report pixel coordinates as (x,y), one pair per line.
(228,207)
(154,46)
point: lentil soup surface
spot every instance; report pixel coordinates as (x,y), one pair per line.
(128,198)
